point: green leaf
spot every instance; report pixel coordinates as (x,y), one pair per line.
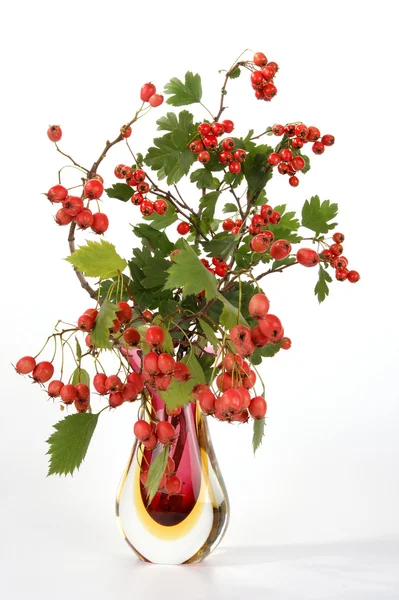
(167,307)
(179,393)
(230,208)
(208,204)
(267,351)
(256,170)
(204,179)
(235,73)
(229,316)
(160,222)
(97,259)
(316,215)
(185,93)
(158,239)
(104,321)
(155,473)
(116,294)
(210,334)
(78,349)
(80,376)
(120,191)
(70,441)
(171,156)
(321,290)
(283,233)
(222,244)
(188,272)
(289,260)
(259,432)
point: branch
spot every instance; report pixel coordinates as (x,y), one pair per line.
(83,281)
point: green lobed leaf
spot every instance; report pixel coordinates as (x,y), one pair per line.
(267,351)
(120,191)
(155,473)
(229,207)
(104,321)
(70,441)
(80,376)
(259,432)
(97,259)
(316,215)
(222,245)
(235,73)
(208,205)
(204,179)
(179,393)
(158,239)
(185,93)
(256,170)
(188,272)
(175,123)
(321,289)
(210,334)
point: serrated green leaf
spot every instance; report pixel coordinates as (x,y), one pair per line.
(80,376)
(97,259)
(155,473)
(208,205)
(185,93)
(158,239)
(235,73)
(229,316)
(210,334)
(188,272)
(204,179)
(222,244)
(120,191)
(230,208)
(70,441)
(78,349)
(283,233)
(173,122)
(167,307)
(179,393)
(259,432)
(104,321)
(316,215)
(167,345)
(267,351)
(321,289)
(256,170)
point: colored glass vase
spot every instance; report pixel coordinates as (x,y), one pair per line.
(183,527)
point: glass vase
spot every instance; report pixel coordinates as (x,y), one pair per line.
(177,528)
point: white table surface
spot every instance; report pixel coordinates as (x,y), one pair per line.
(367,570)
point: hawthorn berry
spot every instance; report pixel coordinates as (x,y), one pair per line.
(25,365)
(328,140)
(137,198)
(228,125)
(146,208)
(258,337)
(84,219)
(286,345)
(204,157)
(257,408)
(68,393)
(181,372)
(217,129)
(307,257)
(289,130)
(100,223)
(86,322)
(54,388)
(234,167)
(318,148)
(286,154)
(113,383)
(166,363)
(260,59)
(54,133)
(301,131)
(73,205)
(196,146)
(156,100)
(204,128)
(258,306)
(278,130)
(82,391)
(115,399)
(126,131)
(338,238)
(225,157)
(293,181)
(336,249)
(240,155)
(240,334)
(313,134)
(155,335)
(267,72)
(165,431)
(183,228)
(274,159)
(131,336)
(43,372)
(93,189)
(210,141)
(275,217)
(298,163)
(207,402)
(147,91)
(280,249)
(129,392)
(57,193)
(353,276)
(341,274)
(271,326)
(173,484)
(228,143)
(259,243)
(99,383)
(257,78)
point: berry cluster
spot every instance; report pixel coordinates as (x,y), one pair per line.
(257,227)
(262,79)
(225,149)
(219,266)
(137,179)
(75,209)
(288,160)
(333,256)
(148,93)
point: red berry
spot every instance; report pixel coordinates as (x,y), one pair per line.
(240,334)
(231,401)
(137,380)
(258,338)
(25,365)
(68,393)
(228,125)
(137,199)
(338,237)
(278,130)
(301,131)
(328,140)
(313,134)
(139,175)
(280,249)
(289,129)
(142,430)
(266,211)
(240,155)
(225,157)
(146,208)
(100,223)
(341,274)
(183,228)
(54,388)
(147,90)
(126,131)
(155,335)
(353,276)
(156,100)
(54,133)
(257,408)
(307,257)
(269,90)
(43,372)
(118,171)
(298,163)
(173,484)
(274,159)
(217,129)
(152,442)
(235,167)
(210,141)
(131,336)
(86,322)
(235,230)
(238,222)
(166,363)
(257,79)
(207,402)
(228,143)
(268,72)
(165,431)
(99,383)
(125,313)
(73,205)
(113,383)
(318,147)
(57,193)
(228,224)
(275,218)
(259,243)
(151,363)
(297,143)
(271,327)
(84,219)
(274,66)
(286,154)
(260,59)
(129,392)
(286,345)
(204,157)
(115,399)
(181,372)
(82,391)
(282,168)
(196,146)
(93,189)
(143,187)
(336,249)
(204,128)
(326,255)
(293,181)
(258,306)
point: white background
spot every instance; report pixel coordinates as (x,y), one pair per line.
(324,485)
